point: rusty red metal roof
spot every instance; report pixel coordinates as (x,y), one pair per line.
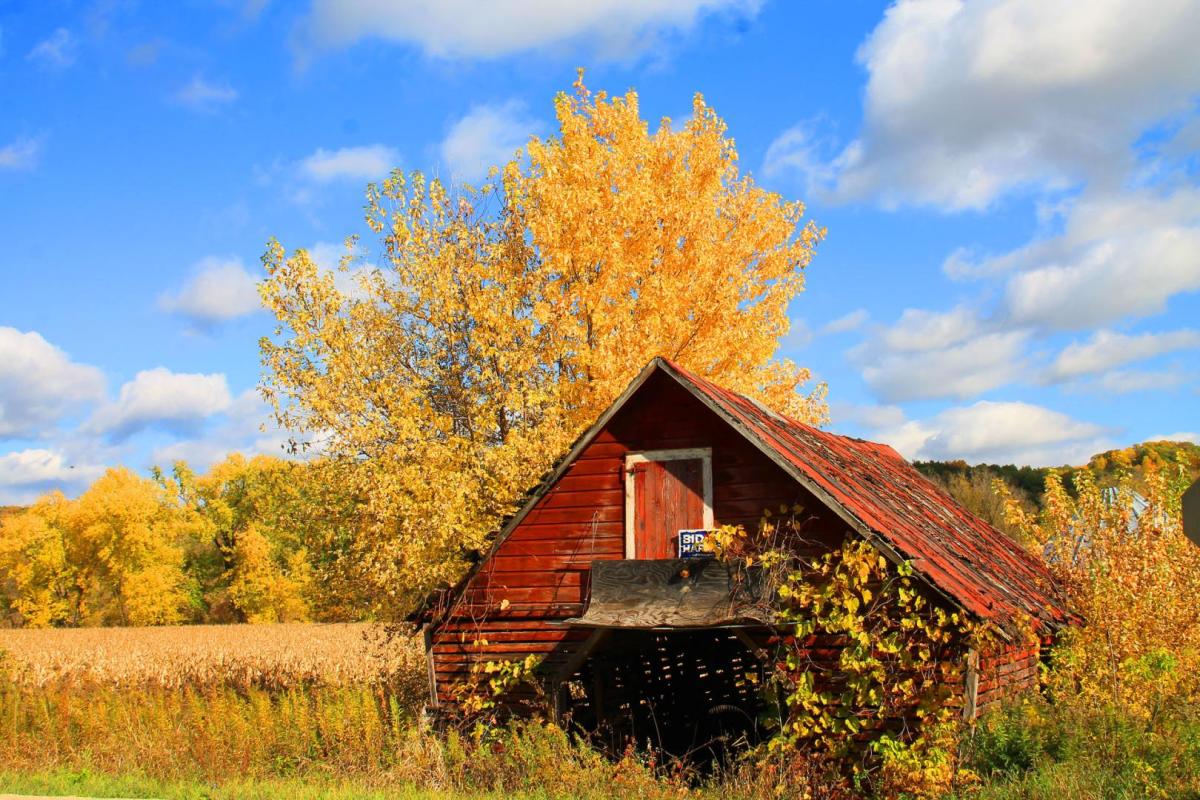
(874,489)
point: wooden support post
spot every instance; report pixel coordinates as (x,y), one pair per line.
(433,696)
(971,687)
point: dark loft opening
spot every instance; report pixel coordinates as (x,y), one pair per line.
(691,693)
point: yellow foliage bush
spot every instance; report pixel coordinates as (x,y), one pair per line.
(1133,579)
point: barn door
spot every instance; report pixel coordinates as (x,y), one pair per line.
(666,491)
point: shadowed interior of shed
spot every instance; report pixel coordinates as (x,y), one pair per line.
(691,693)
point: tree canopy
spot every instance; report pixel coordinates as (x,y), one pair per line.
(445,372)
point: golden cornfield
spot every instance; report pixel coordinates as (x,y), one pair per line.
(277,656)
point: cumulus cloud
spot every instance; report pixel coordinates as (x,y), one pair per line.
(939,354)
(220,289)
(999,433)
(467,29)
(875,417)
(160,398)
(1106,350)
(27,474)
(57,51)
(201,95)
(39,383)
(968,100)
(847,323)
(246,428)
(21,153)
(367,162)
(1118,256)
(489,135)
(961,371)
(919,330)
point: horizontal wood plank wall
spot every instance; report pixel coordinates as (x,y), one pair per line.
(1005,672)
(515,605)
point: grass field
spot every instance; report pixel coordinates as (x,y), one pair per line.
(330,711)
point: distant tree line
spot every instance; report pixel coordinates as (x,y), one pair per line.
(252,540)
(974,485)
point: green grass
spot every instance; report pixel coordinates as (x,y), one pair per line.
(95,784)
(1036,751)
(67,783)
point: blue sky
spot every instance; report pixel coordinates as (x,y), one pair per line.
(1012,271)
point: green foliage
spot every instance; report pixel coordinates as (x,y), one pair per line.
(1014,739)
(1035,750)
(1031,481)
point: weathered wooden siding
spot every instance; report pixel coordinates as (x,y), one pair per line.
(1005,672)
(540,573)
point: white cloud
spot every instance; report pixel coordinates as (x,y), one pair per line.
(1118,256)
(961,370)
(998,432)
(56,51)
(367,162)
(932,354)
(1180,436)
(246,428)
(968,100)
(870,416)
(1107,350)
(808,150)
(919,330)
(468,29)
(200,95)
(21,153)
(489,135)
(162,398)
(39,383)
(220,289)
(1128,381)
(27,474)
(847,323)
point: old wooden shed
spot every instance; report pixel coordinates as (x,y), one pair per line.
(585,575)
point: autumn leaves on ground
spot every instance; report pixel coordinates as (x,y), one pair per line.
(428,383)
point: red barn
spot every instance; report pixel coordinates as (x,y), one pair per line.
(585,575)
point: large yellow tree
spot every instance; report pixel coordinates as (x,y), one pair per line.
(444,372)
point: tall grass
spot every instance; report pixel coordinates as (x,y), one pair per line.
(1034,750)
(360,734)
(206,733)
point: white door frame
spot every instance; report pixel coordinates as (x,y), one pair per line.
(682,454)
